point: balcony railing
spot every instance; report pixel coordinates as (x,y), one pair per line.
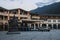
(4,21)
(4,14)
(24,15)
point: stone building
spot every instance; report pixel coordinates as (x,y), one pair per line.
(33,21)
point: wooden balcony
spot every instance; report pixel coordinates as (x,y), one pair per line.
(23,15)
(4,21)
(4,14)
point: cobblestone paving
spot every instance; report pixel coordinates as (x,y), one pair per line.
(34,35)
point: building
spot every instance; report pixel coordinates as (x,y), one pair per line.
(33,21)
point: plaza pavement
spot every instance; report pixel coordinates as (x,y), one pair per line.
(32,35)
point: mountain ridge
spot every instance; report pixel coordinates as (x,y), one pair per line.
(49,9)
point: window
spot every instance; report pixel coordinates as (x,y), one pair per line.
(1,17)
(44,25)
(45,19)
(54,20)
(36,26)
(23,18)
(5,18)
(12,17)
(54,26)
(20,13)
(13,11)
(23,13)
(58,20)
(49,20)
(35,18)
(50,26)
(32,26)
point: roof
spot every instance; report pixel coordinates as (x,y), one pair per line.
(1,8)
(17,9)
(45,14)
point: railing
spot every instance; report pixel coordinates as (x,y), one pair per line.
(24,15)
(11,14)
(4,14)
(50,22)
(4,21)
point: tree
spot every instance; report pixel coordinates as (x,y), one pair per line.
(13,24)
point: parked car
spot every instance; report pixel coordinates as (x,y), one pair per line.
(44,29)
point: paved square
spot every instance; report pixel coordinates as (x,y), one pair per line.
(34,35)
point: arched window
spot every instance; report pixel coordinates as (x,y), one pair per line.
(44,25)
(36,26)
(54,26)
(32,25)
(50,25)
(58,26)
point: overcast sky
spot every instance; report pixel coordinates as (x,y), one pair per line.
(25,4)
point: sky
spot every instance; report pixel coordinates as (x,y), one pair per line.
(25,4)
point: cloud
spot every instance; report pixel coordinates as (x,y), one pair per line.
(46,2)
(24,4)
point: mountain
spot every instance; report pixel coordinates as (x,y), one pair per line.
(51,9)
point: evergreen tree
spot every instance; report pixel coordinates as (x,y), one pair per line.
(13,24)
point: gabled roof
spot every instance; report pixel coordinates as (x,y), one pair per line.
(17,9)
(1,8)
